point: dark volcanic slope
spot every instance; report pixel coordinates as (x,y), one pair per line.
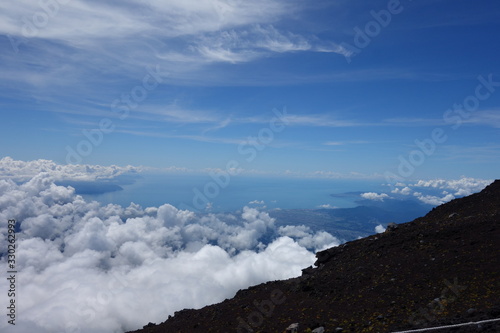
(440,269)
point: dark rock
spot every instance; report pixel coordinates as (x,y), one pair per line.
(308,271)
(352,284)
(471,311)
(391,227)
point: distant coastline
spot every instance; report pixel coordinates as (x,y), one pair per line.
(92,188)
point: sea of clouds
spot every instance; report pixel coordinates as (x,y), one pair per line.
(87,267)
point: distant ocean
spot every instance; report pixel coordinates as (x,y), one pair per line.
(194,191)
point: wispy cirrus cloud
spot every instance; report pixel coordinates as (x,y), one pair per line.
(254,42)
(343,143)
(182,36)
(321,120)
(471,153)
(490,118)
(87,54)
(200,138)
(91,21)
(412,122)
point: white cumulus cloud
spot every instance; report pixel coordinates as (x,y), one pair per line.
(435,200)
(257,202)
(461,187)
(327,206)
(108,268)
(404,191)
(438,191)
(379,229)
(23,171)
(319,241)
(374,196)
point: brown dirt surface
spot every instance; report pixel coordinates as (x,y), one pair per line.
(440,269)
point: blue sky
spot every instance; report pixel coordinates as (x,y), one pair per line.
(187,83)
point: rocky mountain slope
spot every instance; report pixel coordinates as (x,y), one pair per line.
(440,269)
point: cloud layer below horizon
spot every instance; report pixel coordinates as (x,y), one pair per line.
(88,267)
(85,267)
